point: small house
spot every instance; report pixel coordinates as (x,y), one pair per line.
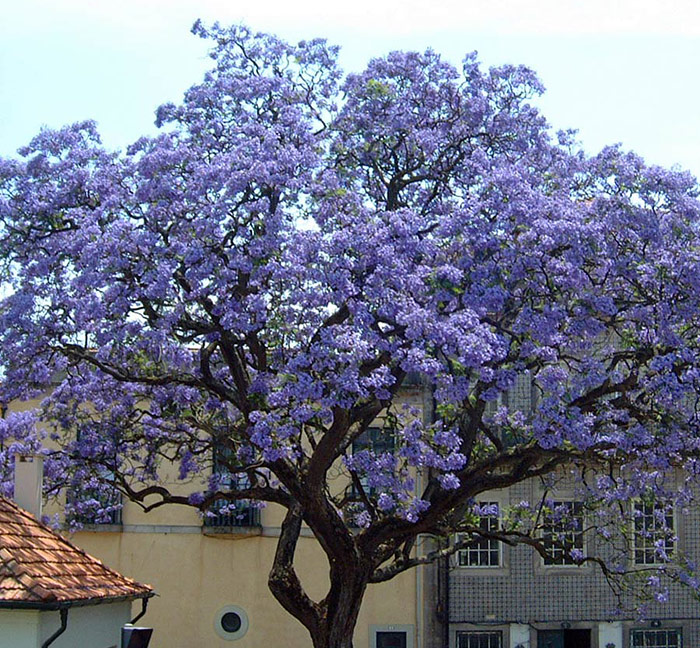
(54,594)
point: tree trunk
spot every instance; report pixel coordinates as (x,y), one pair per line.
(340,609)
(330,622)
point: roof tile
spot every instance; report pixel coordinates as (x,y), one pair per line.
(39,566)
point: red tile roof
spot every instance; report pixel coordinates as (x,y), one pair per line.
(39,568)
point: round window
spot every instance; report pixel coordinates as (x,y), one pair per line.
(231,622)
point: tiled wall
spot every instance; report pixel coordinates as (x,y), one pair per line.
(524,591)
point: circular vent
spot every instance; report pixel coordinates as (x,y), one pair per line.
(231,622)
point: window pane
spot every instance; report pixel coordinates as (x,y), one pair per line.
(562,532)
(656,638)
(483,552)
(654,534)
(479,640)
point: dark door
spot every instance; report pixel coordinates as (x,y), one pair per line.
(391,639)
(577,639)
(564,638)
(550,639)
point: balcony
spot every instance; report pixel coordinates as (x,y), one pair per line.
(241,519)
(93,516)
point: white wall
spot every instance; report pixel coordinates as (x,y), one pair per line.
(610,633)
(91,626)
(520,635)
(19,629)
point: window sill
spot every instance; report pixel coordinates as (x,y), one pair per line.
(481,572)
(102,528)
(563,570)
(229,531)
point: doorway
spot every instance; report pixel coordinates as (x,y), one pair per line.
(391,636)
(577,638)
(391,639)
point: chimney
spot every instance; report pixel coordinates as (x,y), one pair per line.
(29,477)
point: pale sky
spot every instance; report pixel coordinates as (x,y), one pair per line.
(618,70)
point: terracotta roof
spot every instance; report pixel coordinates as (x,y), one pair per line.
(39,568)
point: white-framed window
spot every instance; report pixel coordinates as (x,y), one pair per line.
(654,532)
(520,397)
(479,639)
(656,638)
(562,533)
(483,552)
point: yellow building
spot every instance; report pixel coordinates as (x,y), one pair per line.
(202,573)
(210,576)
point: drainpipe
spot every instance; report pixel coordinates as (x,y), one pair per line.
(446,603)
(144,605)
(60,631)
(419,605)
(444,563)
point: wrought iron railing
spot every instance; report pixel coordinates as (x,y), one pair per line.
(223,514)
(111,517)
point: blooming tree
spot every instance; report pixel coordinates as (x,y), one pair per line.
(261,277)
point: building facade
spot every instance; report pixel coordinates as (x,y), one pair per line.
(211,576)
(491,595)
(497,596)
(202,573)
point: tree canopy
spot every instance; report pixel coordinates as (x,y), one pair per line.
(263,275)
